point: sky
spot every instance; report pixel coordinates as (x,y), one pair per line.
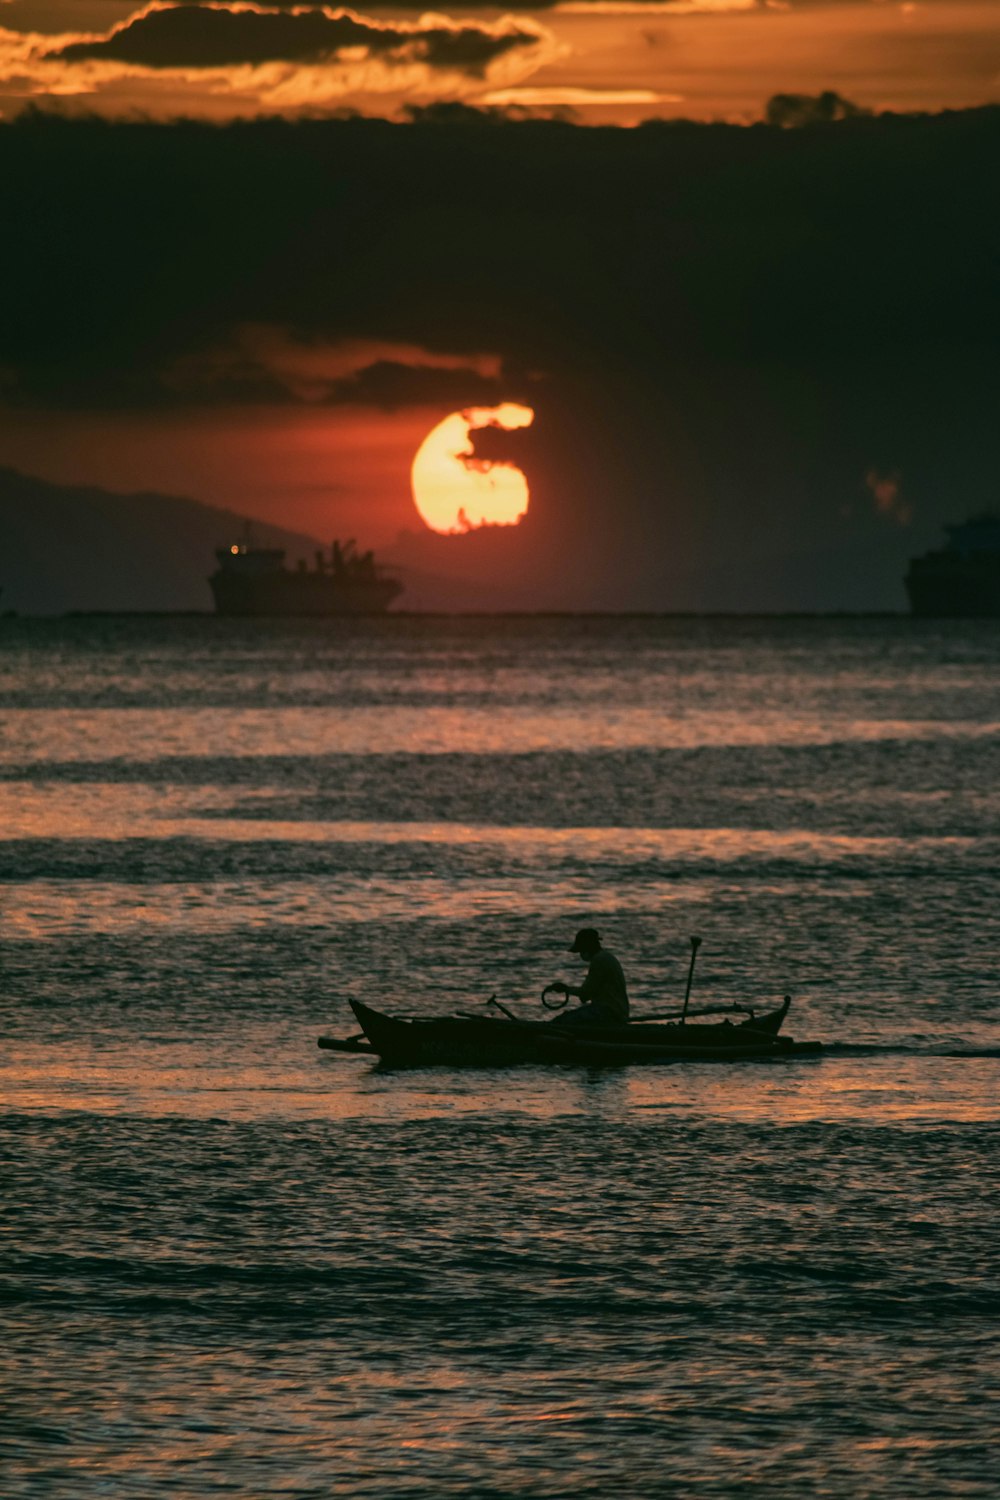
(609,61)
(737,258)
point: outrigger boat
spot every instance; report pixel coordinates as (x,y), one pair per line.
(474,1040)
(477,1040)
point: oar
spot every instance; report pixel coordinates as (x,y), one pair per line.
(345,1044)
(695,945)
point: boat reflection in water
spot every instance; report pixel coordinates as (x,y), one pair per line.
(962,578)
(253,580)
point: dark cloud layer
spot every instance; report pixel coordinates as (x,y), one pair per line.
(390,385)
(735,326)
(796,110)
(192,36)
(422,8)
(387,384)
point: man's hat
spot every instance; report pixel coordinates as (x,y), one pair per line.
(587,937)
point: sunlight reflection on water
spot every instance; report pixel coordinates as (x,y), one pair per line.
(141,733)
(253,1079)
(30,811)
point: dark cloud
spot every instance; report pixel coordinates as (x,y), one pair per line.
(422,7)
(193,36)
(453,112)
(793,110)
(528,239)
(389,385)
(733,325)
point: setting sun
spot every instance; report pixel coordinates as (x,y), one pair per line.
(452,489)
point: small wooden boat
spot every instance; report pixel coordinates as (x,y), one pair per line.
(490,1041)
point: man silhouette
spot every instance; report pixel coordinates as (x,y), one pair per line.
(603,991)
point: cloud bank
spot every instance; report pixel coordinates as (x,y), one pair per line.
(303,57)
(268,363)
(229,36)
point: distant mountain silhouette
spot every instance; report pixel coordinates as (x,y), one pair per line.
(68,547)
(76,547)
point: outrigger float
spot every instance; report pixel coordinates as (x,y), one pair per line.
(474,1040)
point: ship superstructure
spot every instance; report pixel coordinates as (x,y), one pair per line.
(962,578)
(252,580)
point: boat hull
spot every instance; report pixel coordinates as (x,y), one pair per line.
(491,1042)
(962,579)
(941,587)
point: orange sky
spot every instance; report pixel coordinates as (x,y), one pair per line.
(314,469)
(607,61)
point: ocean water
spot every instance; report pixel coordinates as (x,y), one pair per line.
(232,1264)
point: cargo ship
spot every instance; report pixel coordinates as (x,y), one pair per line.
(253,580)
(962,578)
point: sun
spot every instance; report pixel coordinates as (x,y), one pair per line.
(452,489)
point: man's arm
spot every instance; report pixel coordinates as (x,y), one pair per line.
(589,988)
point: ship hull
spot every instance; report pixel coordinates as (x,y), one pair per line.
(943,587)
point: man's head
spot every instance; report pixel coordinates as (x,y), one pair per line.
(587,942)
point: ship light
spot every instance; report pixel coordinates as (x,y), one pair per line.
(234,548)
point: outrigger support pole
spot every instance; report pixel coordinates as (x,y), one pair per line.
(695,945)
